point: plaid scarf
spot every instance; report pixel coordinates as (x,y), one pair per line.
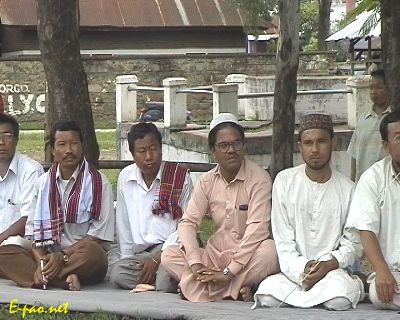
(169,191)
(83,203)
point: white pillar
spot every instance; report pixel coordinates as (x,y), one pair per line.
(126,98)
(358,101)
(174,102)
(225,98)
(241,80)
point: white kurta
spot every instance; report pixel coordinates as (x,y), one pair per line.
(307,223)
(376,206)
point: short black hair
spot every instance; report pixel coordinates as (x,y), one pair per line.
(212,135)
(7,119)
(379,74)
(139,131)
(389,118)
(64,125)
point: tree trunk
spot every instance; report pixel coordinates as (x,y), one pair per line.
(285,86)
(323,22)
(68,95)
(390,13)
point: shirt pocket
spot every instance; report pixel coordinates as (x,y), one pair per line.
(12,213)
(240,220)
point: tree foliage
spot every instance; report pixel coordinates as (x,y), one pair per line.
(256,10)
(364,6)
(309,24)
(264,9)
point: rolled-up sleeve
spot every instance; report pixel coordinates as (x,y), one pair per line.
(364,211)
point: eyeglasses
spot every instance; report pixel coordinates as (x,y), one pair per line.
(6,136)
(224,146)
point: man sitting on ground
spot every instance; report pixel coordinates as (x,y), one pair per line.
(151,195)
(18,175)
(237,195)
(71,220)
(374,216)
(310,204)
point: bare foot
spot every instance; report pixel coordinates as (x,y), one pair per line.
(246,294)
(180,293)
(73,282)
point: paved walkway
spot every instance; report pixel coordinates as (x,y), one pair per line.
(169,306)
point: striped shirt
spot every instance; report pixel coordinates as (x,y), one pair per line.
(366,143)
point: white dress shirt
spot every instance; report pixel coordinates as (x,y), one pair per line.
(137,227)
(376,208)
(16,189)
(102,229)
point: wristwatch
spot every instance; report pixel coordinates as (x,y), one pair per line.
(65,256)
(228,273)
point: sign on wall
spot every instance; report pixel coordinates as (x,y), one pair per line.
(18,99)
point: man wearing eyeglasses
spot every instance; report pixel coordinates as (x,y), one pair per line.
(237,195)
(375,218)
(18,174)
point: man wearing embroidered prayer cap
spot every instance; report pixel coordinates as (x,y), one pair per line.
(310,204)
(151,197)
(237,196)
(71,220)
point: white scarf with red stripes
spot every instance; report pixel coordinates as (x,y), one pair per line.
(83,203)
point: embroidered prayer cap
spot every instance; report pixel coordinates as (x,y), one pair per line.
(223,117)
(316,121)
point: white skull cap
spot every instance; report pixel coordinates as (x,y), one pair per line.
(223,117)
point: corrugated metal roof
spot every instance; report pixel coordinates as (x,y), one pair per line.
(134,13)
(354,30)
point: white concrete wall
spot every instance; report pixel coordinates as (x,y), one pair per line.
(262,108)
(340,159)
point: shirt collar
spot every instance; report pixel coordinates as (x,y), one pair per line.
(74,175)
(14,163)
(136,174)
(241,175)
(372,113)
(393,172)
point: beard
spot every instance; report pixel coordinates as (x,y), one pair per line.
(318,166)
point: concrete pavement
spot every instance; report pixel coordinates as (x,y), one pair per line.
(169,306)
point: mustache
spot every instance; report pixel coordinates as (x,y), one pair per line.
(70,156)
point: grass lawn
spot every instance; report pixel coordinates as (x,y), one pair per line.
(32,144)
